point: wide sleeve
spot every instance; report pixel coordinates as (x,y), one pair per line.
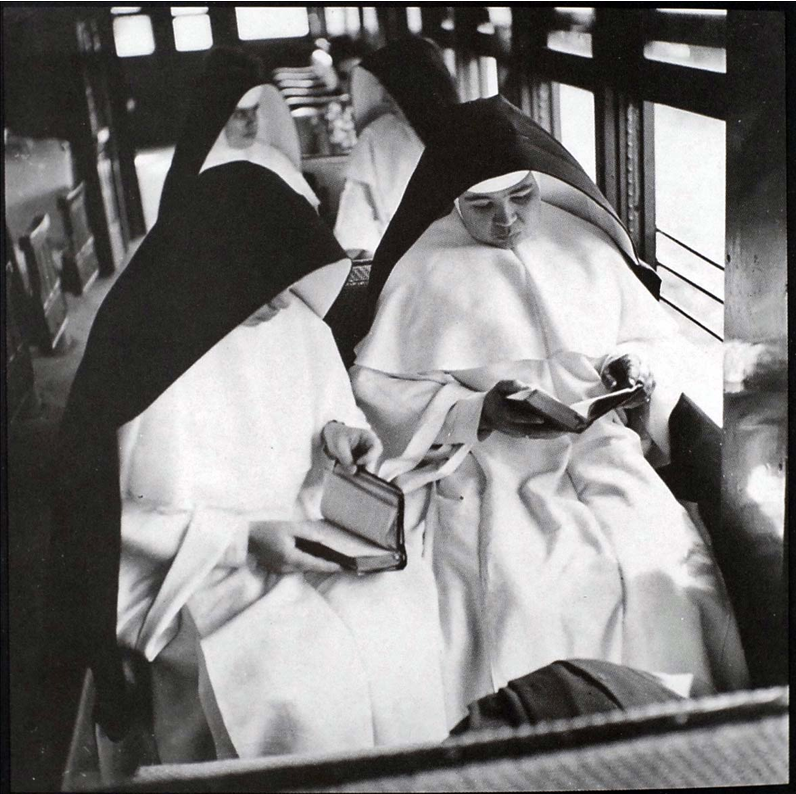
(166,557)
(427,423)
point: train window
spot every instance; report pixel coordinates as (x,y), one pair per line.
(576,121)
(271,22)
(487,76)
(690,211)
(192,29)
(370,19)
(414,19)
(132,33)
(687,37)
(572,31)
(499,16)
(341,20)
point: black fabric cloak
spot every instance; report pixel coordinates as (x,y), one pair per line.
(413,72)
(479,140)
(227,75)
(196,277)
(563,690)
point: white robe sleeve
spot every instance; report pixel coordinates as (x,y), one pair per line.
(413,416)
(166,557)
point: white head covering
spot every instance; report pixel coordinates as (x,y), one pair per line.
(320,289)
(498,183)
(276,145)
(250,98)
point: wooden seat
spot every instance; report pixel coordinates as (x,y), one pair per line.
(47,304)
(80,263)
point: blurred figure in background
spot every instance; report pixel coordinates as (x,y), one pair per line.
(395,93)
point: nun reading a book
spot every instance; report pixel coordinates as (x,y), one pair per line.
(521,374)
(208,410)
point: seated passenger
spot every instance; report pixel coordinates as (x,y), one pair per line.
(261,130)
(546,545)
(232,116)
(210,401)
(395,94)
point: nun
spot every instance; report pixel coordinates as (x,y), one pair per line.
(395,95)
(505,268)
(208,406)
(232,117)
(261,130)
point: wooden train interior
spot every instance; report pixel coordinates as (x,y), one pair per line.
(679,114)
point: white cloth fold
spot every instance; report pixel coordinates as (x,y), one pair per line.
(296,662)
(543,549)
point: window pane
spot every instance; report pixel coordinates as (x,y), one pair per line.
(271,22)
(488,76)
(570,41)
(192,33)
(690,207)
(133,36)
(499,16)
(370,19)
(352,19)
(711,59)
(577,125)
(125,9)
(177,11)
(414,19)
(335,20)
(690,179)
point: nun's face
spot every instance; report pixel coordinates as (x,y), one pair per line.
(241,129)
(503,218)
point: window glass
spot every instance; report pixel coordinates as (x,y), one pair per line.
(271,22)
(352,22)
(711,59)
(573,30)
(499,16)
(414,19)
(335,20)
(693,37)
(370,19)
(125,9)
(576,107)
(192,30)
(133,36)
(488,76)
(690,210)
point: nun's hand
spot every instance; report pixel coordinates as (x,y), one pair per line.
(514,418)
(351,446)
(268,311)
(626,370)
(273,544)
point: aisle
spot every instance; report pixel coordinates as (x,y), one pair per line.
(30,444)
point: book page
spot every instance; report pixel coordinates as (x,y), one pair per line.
(595,407)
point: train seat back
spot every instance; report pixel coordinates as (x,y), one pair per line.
(48,309)
(80,263)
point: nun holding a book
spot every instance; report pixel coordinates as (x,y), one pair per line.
(506,297)
(196,451)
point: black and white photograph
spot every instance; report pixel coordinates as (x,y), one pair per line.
(396,397)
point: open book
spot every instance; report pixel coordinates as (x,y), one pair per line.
(578,416)
(365,529)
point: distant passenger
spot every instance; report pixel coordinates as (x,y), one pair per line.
(262,131)
(209,403)
(396,93)
(215,132)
